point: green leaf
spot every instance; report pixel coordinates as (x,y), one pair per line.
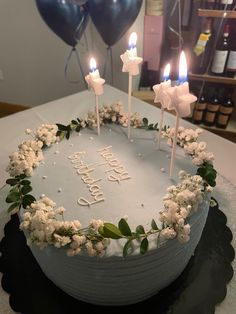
(144,246)
(13,206)
(25,182)
(15,189)
(26,189)
(100,230)
(28,199)
(21,176)
(74,122)
(61,127)
(78,128)
(154,225)
(140,229)
(62,135)
(13,197)
(124,227)
(145,121)
(12,182)
(111,231)
(127,250)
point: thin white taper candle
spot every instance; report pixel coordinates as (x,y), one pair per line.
(160,128)
(172,161)
(129,103)
(97,111)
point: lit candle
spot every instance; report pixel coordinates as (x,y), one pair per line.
(162,97)
(94,73)
(131,65)
(183,71)
(166,74)
(181,101)
(132,51)
(96,83)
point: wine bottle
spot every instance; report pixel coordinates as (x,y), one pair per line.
(212,108)
(199,110)
(225,111)
(231,62)
(202,49)
(225,4)
(221,53)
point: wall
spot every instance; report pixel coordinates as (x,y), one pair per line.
(32,57)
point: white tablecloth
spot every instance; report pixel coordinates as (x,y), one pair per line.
(12,132)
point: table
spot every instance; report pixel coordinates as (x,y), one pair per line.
(12,132)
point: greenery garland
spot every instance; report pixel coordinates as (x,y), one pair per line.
(21,187)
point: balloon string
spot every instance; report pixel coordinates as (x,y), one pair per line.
(109,55)
(105,66)
(112,74)
(177,33)
(78,28)
(73,50)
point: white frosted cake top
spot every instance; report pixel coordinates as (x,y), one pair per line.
(132,185)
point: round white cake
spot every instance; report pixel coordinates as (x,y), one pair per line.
(135,193)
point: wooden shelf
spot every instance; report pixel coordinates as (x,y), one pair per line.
(217,13)
(212,78)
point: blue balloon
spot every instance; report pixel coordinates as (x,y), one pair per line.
(113,18)
(66,18)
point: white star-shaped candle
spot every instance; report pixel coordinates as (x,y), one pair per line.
(130,59)
(181,100)
(162,97)
(131,65)
(95,82)
(160,89)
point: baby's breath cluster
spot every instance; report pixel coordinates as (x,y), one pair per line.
(44,228)
(179,203)
(47,134)
(187,139)
(27,157)
(114,113)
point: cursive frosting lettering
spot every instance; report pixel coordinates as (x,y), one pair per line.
(84,202)
(115,165)
(85,170)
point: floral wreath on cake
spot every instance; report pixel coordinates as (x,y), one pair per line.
(41,217)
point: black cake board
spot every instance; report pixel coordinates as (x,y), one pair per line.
(201,286)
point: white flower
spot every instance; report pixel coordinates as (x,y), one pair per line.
(185,196)
(202,146)
(168,233)
(95,224)
(47,134)
(28,131)
(28,157)
(61,240)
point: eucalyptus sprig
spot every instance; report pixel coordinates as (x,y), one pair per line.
(19,193)
(123,231)
(66,130)
(147,126)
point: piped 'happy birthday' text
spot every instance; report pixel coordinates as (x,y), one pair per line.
(116,172)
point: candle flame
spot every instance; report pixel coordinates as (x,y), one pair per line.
(183,71)
(166,73)
(93,64)
(133,40)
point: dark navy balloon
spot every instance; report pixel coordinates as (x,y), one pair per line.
(113,18)
(66,18)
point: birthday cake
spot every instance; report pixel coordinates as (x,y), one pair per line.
(101,214)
